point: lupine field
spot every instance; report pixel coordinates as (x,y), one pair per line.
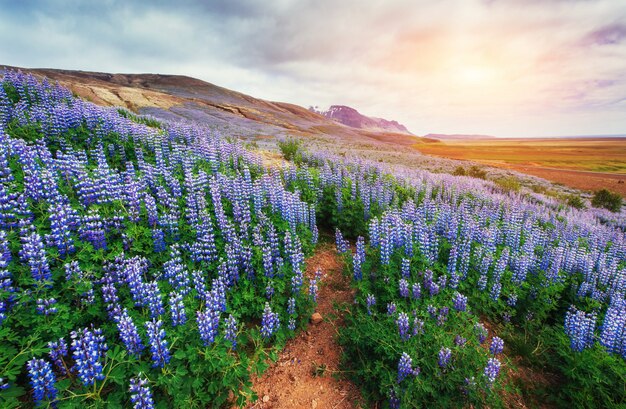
(153,264)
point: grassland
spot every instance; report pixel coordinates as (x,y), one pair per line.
(582,163)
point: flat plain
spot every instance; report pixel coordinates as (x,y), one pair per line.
(588,163)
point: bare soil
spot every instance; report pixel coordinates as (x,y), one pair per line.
(307,373)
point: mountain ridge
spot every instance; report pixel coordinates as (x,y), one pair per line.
(351,117)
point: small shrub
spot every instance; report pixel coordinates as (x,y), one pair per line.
(509,184)
(477,172)
(608,200)
(575,201)
(291,149)
(459,171)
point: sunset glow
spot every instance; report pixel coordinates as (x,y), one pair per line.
(506,68)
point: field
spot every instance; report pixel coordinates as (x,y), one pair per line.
(582,163)
(155,264)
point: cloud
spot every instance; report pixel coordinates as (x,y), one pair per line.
(510,67)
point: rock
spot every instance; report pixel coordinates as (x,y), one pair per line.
(316,318)
(266,398)
(313,404)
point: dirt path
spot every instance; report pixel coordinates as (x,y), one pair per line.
(305,374)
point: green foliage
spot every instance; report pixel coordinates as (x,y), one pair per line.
(509,184)
(291,149)
(607,199)
(459,171)
(575,201)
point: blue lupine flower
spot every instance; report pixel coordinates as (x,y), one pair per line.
(460,302)
(42,380)
(269,323)
(177,309)
(158,343)
(129,334)
(492,370)
(88,347)
(230,332)
(370,301)
(58,350)
(497,346)
(404,288)
(444,357)
(208,325)
(141,396)
(405,367)
(403,326)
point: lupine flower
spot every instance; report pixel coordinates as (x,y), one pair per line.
(418,326)
(404,288)
(88,347)
(481,332)
(370,301)
(460,302)
(58,350)
(497,346)
(129,334)
(492,370)
(359,258)
(158,343)
(177,309)
(230,332)
(46,307)
(141,396)
(403,326)
(42,380)
(460,341)
(269,323)
(444,357)
(416,291)
(208,325)
(391,308)
(291,306)
(405,367)
(292,324)
(405,269)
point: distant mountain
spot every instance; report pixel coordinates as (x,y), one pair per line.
(442,136)
(353,118)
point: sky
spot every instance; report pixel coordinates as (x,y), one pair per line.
(497,67)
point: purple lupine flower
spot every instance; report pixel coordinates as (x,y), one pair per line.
(497,346)
(46,306)
(444,357)
(292,324)
(405,269)
(208,324)
(291,306)
(579,327)
(141,396)
(313,289)
(418,326)
(460,341)
(340,243)
(177,309)
(613,335)
(158,343)
(391,308)
(269,323)
(359,258)
(42,380)
(404,288)
(405,367)
(492,370)
(370,302)
(403,326)
(58,350)
(230,332)
(88,347)
(481,332)
(129,334)
(459,301)
(416,290)
(34,254)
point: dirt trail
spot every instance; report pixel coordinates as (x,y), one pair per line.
(304,375)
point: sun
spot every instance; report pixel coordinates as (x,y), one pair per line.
(475,75)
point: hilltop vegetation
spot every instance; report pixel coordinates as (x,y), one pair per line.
(147,263)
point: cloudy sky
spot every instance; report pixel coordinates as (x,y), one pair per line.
(499,67)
